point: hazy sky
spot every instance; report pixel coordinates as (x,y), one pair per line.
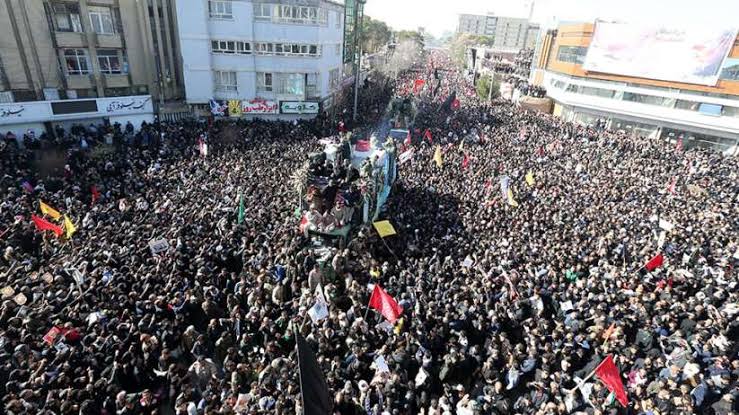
(438,16)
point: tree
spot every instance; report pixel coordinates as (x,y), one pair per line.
(483,87)
(411,35)
(375,34)
(459,44)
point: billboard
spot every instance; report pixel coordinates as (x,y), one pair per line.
(691,55)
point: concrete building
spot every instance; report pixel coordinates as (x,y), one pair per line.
(510,34)
(261,57)
(702,113)
(60,49)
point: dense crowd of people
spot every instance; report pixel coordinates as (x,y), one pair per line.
(510,301)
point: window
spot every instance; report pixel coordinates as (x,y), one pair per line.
(101,20)
(710,109)
(682,104)
(221,9)
(572,54)
(338,20)
(264,82)
(293,14)
(338,49)
(262,11)
(311,85)
(290,84)
(67,17)
(287,49)
(109,61)
(76,62)
(225,81)
(230,47)
(333,78)
(730,70)
(644,99)
(730,112)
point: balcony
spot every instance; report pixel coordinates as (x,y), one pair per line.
(71,39)
(80,81)
(108,41)
(115,80)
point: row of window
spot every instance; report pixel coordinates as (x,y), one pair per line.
(279,13)
(67,18)
(702,107)
(110,61)
(280,83)
(234,47)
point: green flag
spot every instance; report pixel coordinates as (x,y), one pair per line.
(240,220)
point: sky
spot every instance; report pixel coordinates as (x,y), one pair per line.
(439,16)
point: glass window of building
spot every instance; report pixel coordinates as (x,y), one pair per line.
(76,62)
(572,54)
(264,82)
(101,20)
(225,81)
(221,9)
(109,61)
(67,17)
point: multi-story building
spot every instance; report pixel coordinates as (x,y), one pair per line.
(261,57)
(686,88)
(85,54)
(510,34)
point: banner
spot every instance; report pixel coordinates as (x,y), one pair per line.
(259,106)
(234,108)
(690,54)
(218,108)
(299,107)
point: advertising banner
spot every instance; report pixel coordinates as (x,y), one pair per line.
(299,107)
(259,106)
(689,54)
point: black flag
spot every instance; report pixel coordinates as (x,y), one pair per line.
(312,383)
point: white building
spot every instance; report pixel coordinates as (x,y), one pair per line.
(273,56)
(510,34)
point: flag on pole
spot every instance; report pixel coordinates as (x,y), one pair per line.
(95,193)
(408,139)
(44,225)
(384,228)
(427,136)
(511,200)
(417,85)
(655,262)
(437,156)
(465,161)
(49,211)
(313,388)
(69,227)
(240,218)
(385,304)
(608,373)
(26,185)
(530,179)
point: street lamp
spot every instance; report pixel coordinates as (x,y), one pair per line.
(358,17)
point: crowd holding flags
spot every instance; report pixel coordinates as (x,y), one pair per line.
(437,156)
(383,302)
(68,228)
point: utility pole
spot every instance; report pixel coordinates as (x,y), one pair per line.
(358,17)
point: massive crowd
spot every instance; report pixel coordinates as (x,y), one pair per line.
(505,306)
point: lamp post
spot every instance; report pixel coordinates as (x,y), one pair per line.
(358,17)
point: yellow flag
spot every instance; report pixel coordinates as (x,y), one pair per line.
(511,200)
(69,227)
(49,211)
(530,179)
(234,108)
(437,156)
(384,228)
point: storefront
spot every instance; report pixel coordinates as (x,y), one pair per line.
(40,116)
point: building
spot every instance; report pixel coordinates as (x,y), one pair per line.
(261,57)
(63,61)
(510,34)
(666,92)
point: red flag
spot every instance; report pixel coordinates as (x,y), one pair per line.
(608,374)
(465,161)
(427,136)
(44,225)
(455,103)
(655,262)
(303,223)
(679,145)
(385,304)
(95,194)
(362,145)
(418,85)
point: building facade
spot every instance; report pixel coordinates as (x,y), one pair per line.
(702,115)
(261,57)
(510,34)
(61,49)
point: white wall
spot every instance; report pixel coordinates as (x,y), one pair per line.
(196,29)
